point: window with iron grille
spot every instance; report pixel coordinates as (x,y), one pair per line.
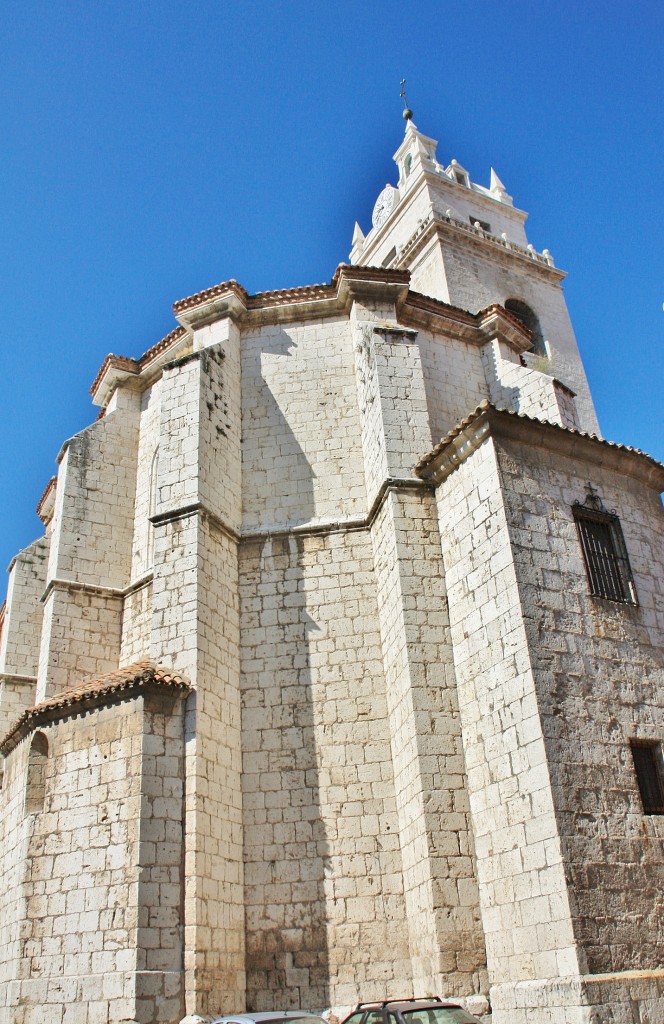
(604,552)
(649,769)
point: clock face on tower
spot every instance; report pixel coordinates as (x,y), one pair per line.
(384,205)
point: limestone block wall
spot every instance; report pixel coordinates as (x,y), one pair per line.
(220,471)
(375,468)
(525,390)
(97,888)
(81,633)
(19,652)
(600,683)
(19,644)
(454,380)
(323,871)
(90,551)
(440,885)
(569,416)
(14,839)
(428,271)
(137,599)
(94,507)
(195,626)
(160,982)
(213,867)
(136,624)
(524,902)
(146,484)
(401,392)
(475,282)
(301,449)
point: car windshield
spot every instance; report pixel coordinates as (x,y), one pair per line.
(439,1015)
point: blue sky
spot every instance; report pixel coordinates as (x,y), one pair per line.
(152,149)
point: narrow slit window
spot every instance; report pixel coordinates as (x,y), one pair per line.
(649,769)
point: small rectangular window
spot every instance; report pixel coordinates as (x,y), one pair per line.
(647,756)
(604,554)
(484,224)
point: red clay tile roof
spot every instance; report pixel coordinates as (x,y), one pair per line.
(305,293)
(95,692)
(211,293)
(120,362)
(161,346)
(136,365)
(486,407)
(282,296)
(48,490)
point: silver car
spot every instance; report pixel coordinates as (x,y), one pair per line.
(272,1017)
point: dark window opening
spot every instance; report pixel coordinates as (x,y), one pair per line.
(482,223)
(604,552)
(461,178)
(529,319)
(647,755)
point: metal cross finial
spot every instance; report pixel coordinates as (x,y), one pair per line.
(407,113)
(593,499)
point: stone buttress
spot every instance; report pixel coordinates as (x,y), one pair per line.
(303,705)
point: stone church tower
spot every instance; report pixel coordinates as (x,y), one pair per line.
(337,672)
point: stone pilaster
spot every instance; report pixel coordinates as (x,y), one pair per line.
(440,890)
(90,553)
(21,630)
(195,627)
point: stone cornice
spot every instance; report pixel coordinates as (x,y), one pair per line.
(487,420)
(116,369)
(452,230)
(371,285)
(111,593)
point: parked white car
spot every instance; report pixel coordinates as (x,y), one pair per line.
(272,1017)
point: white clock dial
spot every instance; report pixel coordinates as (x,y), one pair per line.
(384,206)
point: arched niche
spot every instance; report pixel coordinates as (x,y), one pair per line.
(528,317)
(35,790)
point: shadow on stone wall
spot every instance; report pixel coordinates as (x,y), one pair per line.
(285,840)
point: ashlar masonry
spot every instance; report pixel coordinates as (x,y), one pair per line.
(337,672)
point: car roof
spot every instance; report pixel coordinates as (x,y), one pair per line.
(405,1004)
(264,1015)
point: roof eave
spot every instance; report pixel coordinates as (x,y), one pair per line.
(466,437)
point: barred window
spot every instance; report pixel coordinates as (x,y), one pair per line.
(649,769)
(604,552)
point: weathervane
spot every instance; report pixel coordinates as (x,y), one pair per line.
(407,112)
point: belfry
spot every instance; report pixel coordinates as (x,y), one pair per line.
(337,671)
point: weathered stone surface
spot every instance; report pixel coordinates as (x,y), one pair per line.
(404,761)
